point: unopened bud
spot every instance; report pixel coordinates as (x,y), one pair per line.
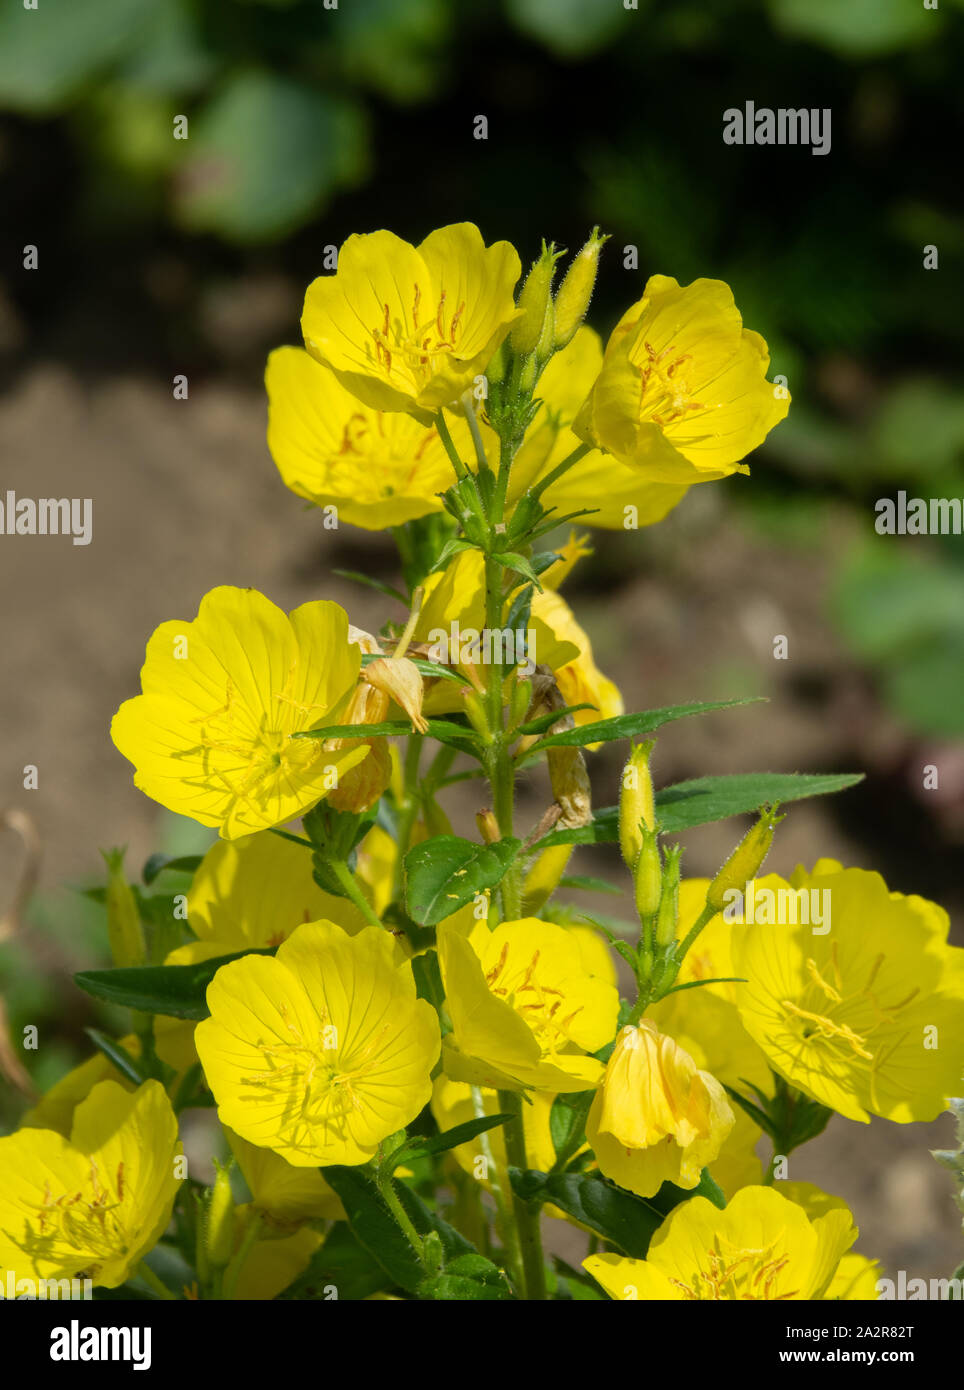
(745,861)
(535,298)
(575,292)
(220,1221)
(495,371)
(637,805)
(519,701)
(124,930)
(648,877)
(542,880)
(488,826)
(570,783)
(475,710)
(668,918)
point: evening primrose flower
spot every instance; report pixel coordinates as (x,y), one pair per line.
(762,1247)
(92,1205)
(211,735)
(409,328)
(656,1118)
(378,469)
(524,1010)
(321,1051)
(285,1195)
(682,395)
(617,494)
(865,1017)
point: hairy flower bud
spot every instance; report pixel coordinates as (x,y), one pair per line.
(636,802)
(745,861)
(534,301)
(648,877)
(668,918)
(124,930)
(575,292)
(219,1221)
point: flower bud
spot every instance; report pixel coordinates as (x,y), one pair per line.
(668,918)
(219,1221)
(124,930)
(745,861)
(519,701)
(495,371)
(543,877)
(636,802)
(648,877)
(575,292)
(488,826)
(535,299)
(570,782)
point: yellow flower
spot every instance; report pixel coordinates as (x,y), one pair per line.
(453,1104)
(321,1051)
(251,893)
(93,1205)
(682,394)
(409,328)
(211,735)
(55,1108)
(287,1196)
(762,1247)
(866,1016)
(619,494)
(580,680)
(273,1262)
(524,1010)
(656,1118)
(377,468)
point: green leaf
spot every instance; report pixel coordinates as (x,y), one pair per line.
(567,1124)
(705,799)
(444,873)
(450,549)
(546,721)
(172,863)
(629,725)
(428,979)
(518,564)
(625,1220)
(378,585)
(587,884)
(118,1055)
(48,52)
(444,730)
(468,1278)
(177,991)
(264,153)
(341,1263)
(419,1144)
(373,1225)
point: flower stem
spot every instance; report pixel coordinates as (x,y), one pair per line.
(160,1288)
(346,878)
(409,807)
(390,1196)
(526,1220)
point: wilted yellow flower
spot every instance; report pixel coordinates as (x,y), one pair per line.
(321,1051)
(524,1010)
(762,1247)
(376,468)
(621,497)
(95,1204)
(211,735)
(656,1118)
(863,1017)
(682,394)
(409,328)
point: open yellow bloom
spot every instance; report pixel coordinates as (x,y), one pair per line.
(524,1009)
(682,395)
(408,328)
(321,1051)
(285,1195)
(619,494)
(377,468)
(211,735)
(762,1247)
(656,1118)
(92,1205)
(866,1016)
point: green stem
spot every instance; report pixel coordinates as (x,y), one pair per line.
(160,1288)
(232,1273)
(449,445)
(474,430)
(504,1223)
(705,916)
(409,807)
(388,1193)
(579,452)
(346,878)
(527,1220)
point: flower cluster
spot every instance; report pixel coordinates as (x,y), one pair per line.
(397,1021)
